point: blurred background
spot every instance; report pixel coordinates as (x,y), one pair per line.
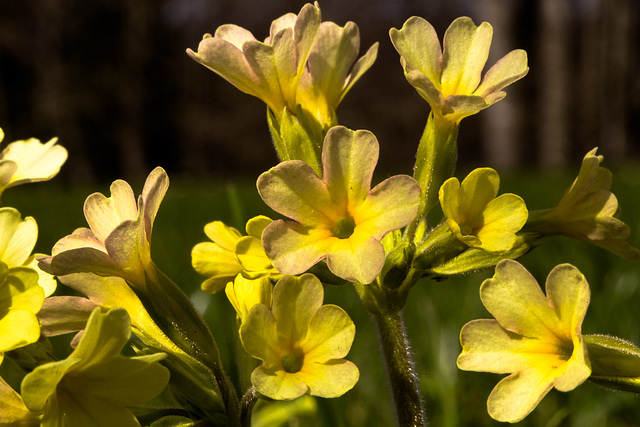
(112,80)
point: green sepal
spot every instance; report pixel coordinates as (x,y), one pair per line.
(477,259)
(297,137)
(396,265)
(322,272)
(175,421)
(615,363)
(440,246)
(33,355)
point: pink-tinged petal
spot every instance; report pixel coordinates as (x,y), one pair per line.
(330,335)
(260,58)
(81,260)
(457,107)
(511,68)
(331,379)
(426,89)
(154,190)
(295,301)
(355,261)
(80,238)
(348,160)
(286,21)
(62,315)
(518,394)
(103,214)
(418,44)
(466,49)
(278,384)
(129,249)
(390,205)
(292,248)
(569,295)
(234,34)
(285,64)
(305,30)
(293,189)
(514,298)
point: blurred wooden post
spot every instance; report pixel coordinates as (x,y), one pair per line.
(501,122)
(553,84)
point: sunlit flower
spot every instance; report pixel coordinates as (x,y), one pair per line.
(94,384)
(13,411)
(587,211)
(535,338)
(20,299)
(329,74)
(477,217)
(229,254)
(338,218)
(450,78)
(29,161)
(119,238)
(245,293)
(301,342)
(269,70)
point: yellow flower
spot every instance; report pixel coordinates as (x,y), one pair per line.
(118,242)
(269,70)
(245,293)
(450,78)
(587,211)
(535,338)
(301,342)
(477,217)
(94,384)
(29,160)
(338,218)
(13,411)
(229,254)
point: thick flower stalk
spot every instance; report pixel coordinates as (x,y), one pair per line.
(587,211)
(450,78)
(301,342)
(94,385)
(477,217)
(230,254)
(337,218)
(537,339)
(29,160)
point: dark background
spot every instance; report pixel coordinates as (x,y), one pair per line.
(112,80)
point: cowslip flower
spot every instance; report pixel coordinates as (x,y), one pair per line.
(329,74)
(13,411)
(94,384)
(450,78)
(29,160)
(535,338)
(118,242)
(269,70)
(244,293)
(337,218)
(477,217)
(587,211)
(230,254)
(301,342)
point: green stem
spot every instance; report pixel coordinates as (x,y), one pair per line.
(246,406)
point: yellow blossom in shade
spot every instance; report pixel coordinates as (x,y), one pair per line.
(301,342)
(119,238)
(229,254)
(13,411)
(329,74)
(477,217)
(450,78)
(20,299)
(339,217)
(93,386)
(535,338)
(245,293)
(29,160)
(269,70)
(587,211)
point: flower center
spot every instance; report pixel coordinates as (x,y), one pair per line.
(292,362)
(466,230)
(344,228)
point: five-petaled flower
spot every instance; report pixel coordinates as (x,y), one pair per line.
(536,338)
(337,218)
(118,242)
(29,160)
(301,342)
(587,211)
(230,254)
(450,78)
(93,386)
(477,217)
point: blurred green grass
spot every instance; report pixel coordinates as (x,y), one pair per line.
(434,314)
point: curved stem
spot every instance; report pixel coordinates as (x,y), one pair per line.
(246,406)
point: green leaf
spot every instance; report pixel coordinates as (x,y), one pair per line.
(615,363)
